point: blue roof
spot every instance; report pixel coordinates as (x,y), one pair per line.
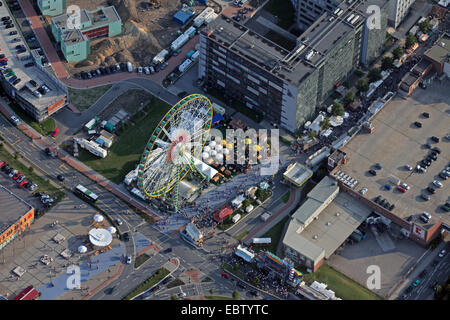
(217,117)
(182,17)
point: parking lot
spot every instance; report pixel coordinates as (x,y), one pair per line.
(353,260)
(396,142)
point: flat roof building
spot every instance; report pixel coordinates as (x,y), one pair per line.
(104,21)
(297,174)
(439,55)
(287,86)
(38,106)
(320,226)
(52,7)
(15,216)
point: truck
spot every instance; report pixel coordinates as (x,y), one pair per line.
(92,123)
(195,56)
(179,42)
(185,65)
(189,54)
(160,57)
(200,19)
(129,66)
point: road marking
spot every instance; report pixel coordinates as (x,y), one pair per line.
(62,166)
(18,140)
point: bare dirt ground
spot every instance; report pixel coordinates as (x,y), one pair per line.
(145,32)
(130,101)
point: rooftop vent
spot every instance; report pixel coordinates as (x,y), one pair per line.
(315,236)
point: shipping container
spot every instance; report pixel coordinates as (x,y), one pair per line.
(107,135)
(106,142)
(190,32)
(160,57)
(185,65)
(179,42)
(109,127)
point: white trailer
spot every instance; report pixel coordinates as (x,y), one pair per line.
(195,56)
(159,58)
(179,42)
(190,32)
(211,18)
(92,147)
(186,63)
(198,21)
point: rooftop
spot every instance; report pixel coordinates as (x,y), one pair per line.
(440,51)
(12,208)
(297,173)
(26,74)
(313,45)
(91,19)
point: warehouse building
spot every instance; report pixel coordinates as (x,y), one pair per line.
(52,7)
(439,55)
(75,43)
(321,224)
(15,216)
(287,86)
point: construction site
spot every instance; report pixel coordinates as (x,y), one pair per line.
(147,28)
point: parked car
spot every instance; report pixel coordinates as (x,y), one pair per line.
(363,190)
(416,283)
(408,167)
(372,172)
(225,275)
(425,197)
(437,184)
(60,177)
(442,253)
(431,190)
(129,260)
(126,236)
(434,139)
(418,124)
(119,221)
(426,115)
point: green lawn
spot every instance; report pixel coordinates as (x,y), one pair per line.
(344,287)
(242,235)
(147,284)
(44,185)
(44,128)
(175,283)
(82,99)
(286,197)
(275,234)
(283,10)
(140,260)
(125,152)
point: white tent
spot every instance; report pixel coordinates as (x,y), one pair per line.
(112,230)
(82,249)
(100,237)
(98,218)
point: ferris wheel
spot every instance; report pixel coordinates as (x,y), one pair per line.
(174,145)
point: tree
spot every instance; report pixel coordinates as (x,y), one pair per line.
(410,40)
(337,109)
(362,85)
(312,134)
(16,155)
(374,75)
(425,26)
(256,281)
(387,63)
(236,295)
(174,297)
(325,123)
(349,97)
(211,291)
(398,52)
(31,169)
(237,267)
(246,203)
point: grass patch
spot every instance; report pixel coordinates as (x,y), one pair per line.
(286,197)
(207,279)
(242,235)
(175,283)
(275,235)
(218,298)
(82,99)
(124,154)
(140,260)
(283,10)
(44,185)
(147,284)
(344,287)
(44,128)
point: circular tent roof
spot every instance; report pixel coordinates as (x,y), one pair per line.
(98,218)
(82,249)
(100,237)
(112,230)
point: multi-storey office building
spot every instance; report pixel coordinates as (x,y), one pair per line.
(398,10)
(288,85)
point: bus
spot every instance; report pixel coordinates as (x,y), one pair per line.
(85,193)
